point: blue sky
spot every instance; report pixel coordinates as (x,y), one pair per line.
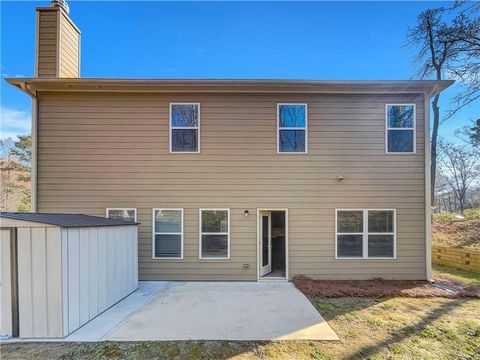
(285,40)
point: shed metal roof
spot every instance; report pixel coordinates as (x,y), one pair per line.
(66,220)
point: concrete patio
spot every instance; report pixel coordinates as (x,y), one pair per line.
(209,311)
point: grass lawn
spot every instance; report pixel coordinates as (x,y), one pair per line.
(395,328)
(470,278)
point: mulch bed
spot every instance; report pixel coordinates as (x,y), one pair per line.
(443,287)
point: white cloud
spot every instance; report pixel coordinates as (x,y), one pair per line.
(14,122)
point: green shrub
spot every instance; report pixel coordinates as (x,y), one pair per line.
(471,214)
(444,217)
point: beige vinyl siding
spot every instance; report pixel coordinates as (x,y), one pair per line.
(58,45)
(69,49)
(102,150)
(46,65)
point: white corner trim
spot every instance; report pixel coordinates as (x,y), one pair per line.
(428,193)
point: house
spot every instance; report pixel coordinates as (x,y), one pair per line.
(236,179)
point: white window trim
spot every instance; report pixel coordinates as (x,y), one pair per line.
(200,233)
(107,210)
(171,128)
(163,233)
(365,234)
(305,128)
(414,128)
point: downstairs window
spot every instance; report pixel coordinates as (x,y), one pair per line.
(214,233)
(168,233)
(122,214)
(365,234)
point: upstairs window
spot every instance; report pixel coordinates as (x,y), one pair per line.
(122,214)
(185,127)
(365,234)
(400,121)
(292,126)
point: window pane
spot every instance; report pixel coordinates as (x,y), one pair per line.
(168,245)
(400,116)
(350,246)
(350,221)
(380,246)
(185,115)
(215,246)
(214,221)
(168,221)
(184,140)
(400,140)
(128,215)
(380,221)
(292,141)
(291,115)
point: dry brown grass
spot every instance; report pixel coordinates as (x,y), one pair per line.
(458,234)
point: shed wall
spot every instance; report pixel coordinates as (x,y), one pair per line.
(68,276)
(101,268)
(39,282)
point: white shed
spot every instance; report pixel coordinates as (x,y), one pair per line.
(59,271)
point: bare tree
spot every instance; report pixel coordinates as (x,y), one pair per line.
(434,50)
(470,134)
(459,167)
(448,48)
(444,198)
(465,31)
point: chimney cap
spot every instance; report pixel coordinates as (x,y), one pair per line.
(61,4)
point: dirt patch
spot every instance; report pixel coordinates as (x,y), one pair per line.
(443,287)
(461,234)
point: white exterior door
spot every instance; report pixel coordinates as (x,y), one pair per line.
(265,262)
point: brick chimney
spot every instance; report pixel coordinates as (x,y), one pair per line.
(57,53)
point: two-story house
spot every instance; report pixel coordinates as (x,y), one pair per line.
(236,179)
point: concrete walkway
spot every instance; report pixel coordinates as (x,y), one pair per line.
(219,311)
(98,327)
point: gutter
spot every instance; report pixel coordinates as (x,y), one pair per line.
(33,94)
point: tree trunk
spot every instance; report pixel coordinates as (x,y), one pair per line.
(433,152)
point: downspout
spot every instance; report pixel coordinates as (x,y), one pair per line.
(33,94)
(428,179)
